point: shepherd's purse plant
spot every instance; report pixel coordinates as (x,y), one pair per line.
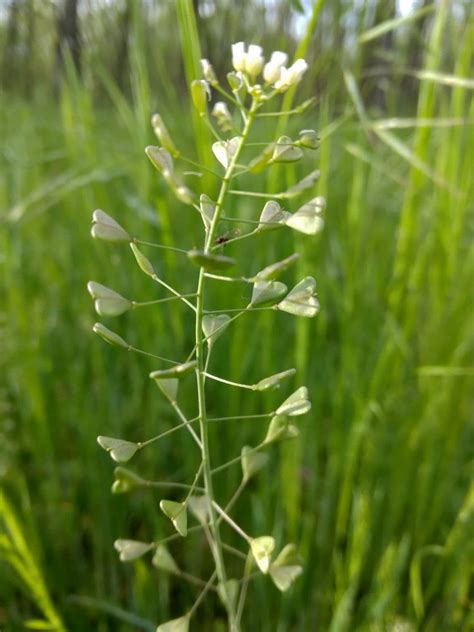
(196,498)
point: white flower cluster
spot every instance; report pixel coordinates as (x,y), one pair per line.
(275,72)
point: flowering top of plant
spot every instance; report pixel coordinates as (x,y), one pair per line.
(196,500)
(275,73)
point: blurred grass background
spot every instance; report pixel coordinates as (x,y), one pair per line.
(378,489)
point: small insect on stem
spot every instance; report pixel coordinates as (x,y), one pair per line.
(221,240)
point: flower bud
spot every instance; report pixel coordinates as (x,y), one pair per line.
(239,56)
(254,60)
(256,91)
(271,71)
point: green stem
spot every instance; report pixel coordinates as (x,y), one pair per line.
(153,245)
(221,379)
(273,196)
(173,291)
(151,355)
(213,524)
(245,583)
(208,586)
(231,522)
(220,277)
(160,300)
(187,424)
(143,444)
(237,459)
(236,417)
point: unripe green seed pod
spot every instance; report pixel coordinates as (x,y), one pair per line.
(200,94)
(163,134)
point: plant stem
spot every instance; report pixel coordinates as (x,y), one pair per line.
(214,527)
(220,277)
(160,300)
(142,444)
(173,291)
(153,245)
(221,379)
(243,589)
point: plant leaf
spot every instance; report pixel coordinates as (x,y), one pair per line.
(143,263)
(252,461)
(40,624)
(295,404)
(163,560)
(273,381)
(131,549)
(177,513)
(286,151)
(106,228)
(267,292)
(262,549)
(213,325)
(120,450)
(272,216)
(274,269)
(175,625)
(176,371)
(210,262)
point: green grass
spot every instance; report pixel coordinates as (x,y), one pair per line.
(378,491)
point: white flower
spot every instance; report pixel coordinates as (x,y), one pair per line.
(220,110)
(254,60)
(239,56)
(291,76)
(250,62)
(271,71)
